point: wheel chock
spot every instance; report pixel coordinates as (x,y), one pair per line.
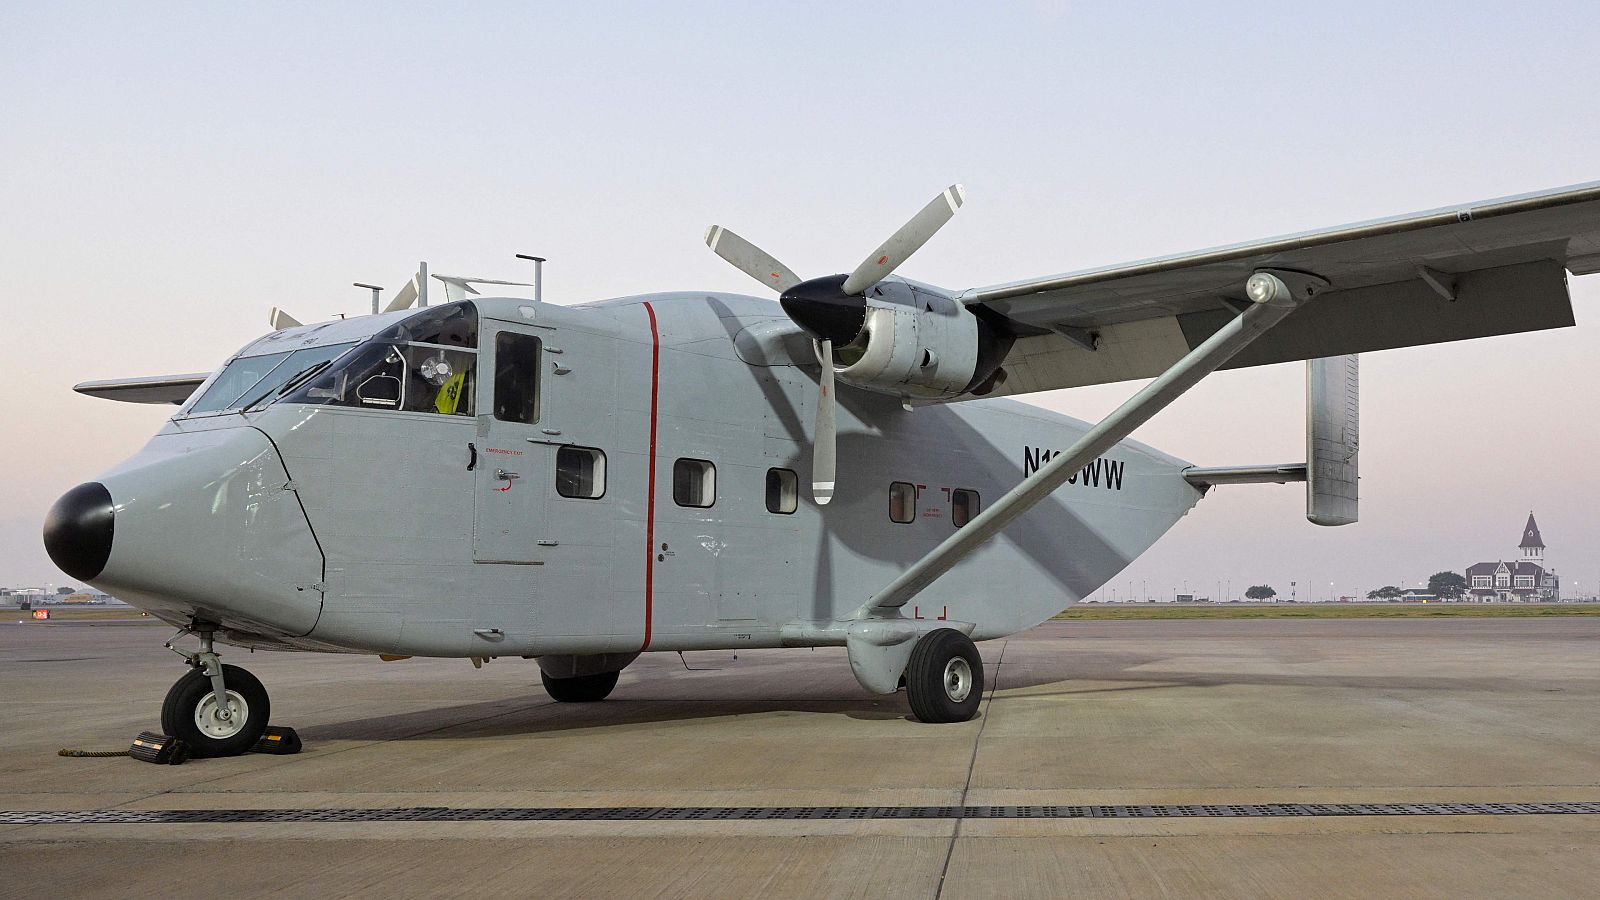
(160,749)
(278,741)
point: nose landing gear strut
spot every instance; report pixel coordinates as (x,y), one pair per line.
(218,710)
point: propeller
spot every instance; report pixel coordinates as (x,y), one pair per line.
(279,320)
(832,309)
(750,259)
(824,458)
(404,297)
(910,238)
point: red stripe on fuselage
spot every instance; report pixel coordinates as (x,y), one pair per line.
(650,501)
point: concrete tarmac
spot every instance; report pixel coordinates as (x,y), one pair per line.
(1079,713)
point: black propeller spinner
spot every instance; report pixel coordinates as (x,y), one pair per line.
(823,310)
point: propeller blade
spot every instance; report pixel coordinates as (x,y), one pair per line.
(279,320)
(406,296)
(750,259)
(824,453)
(912,235)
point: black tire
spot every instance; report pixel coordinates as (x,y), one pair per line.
(582,689)
(184,701)
(944,679)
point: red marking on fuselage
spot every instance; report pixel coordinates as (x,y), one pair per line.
(650,500)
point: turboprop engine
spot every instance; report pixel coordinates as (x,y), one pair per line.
(889,336)
(897,338)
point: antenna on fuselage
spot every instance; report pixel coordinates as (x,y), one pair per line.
(538,275)
(375,292)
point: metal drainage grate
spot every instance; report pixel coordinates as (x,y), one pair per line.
(762,813)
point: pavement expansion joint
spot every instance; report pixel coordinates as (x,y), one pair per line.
(768,813)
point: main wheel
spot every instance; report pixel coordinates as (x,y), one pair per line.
(582,689)
(190,713)
(944,679)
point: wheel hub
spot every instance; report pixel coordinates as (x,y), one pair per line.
(213,724)
(957,678)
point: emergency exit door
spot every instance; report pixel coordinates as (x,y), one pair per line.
(511,457)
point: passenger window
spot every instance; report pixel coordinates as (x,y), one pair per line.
(581,473)
(694,483)
(963,506)
(783,491)
(516,377)
(902,502)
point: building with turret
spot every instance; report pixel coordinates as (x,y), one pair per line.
(1521,579)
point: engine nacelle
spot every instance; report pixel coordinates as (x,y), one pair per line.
(919,344)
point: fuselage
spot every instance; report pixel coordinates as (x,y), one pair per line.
(620,476)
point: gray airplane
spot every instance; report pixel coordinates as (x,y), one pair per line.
(502,477)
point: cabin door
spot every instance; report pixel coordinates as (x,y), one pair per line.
(513,457)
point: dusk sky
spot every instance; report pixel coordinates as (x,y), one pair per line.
(169,172)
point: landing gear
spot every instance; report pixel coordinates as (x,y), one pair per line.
(217,710)
(581,689)
(944,678)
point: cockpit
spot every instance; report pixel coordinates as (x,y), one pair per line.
(427,363)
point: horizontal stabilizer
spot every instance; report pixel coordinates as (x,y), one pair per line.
(1333,432)
(1279,474)
(148,389)
(457,287)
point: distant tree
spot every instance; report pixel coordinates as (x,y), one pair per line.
(65,590)
(1387,592)
(1260,592)
(1447,585)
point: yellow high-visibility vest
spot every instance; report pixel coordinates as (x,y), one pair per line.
(450,392)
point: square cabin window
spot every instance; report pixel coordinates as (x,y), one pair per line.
(694,483)
(581,473)
(963,506)
(902,502)
(516,377)
(783,491)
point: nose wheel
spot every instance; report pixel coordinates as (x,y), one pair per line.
(217,710)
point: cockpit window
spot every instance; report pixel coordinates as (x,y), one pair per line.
(428,363)
(236,378)
(451,325)
(257,380)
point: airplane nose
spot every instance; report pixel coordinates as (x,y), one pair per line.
(78,530)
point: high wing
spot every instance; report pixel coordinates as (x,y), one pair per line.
(1481,269)
(148,389)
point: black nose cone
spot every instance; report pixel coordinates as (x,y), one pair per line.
(77,532)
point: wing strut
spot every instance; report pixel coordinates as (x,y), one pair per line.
(1272,300)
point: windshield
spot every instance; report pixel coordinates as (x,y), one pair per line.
(249,380)
(428,363)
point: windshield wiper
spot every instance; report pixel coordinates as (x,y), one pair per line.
(294,381)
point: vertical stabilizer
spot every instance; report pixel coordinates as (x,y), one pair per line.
(1333,419)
